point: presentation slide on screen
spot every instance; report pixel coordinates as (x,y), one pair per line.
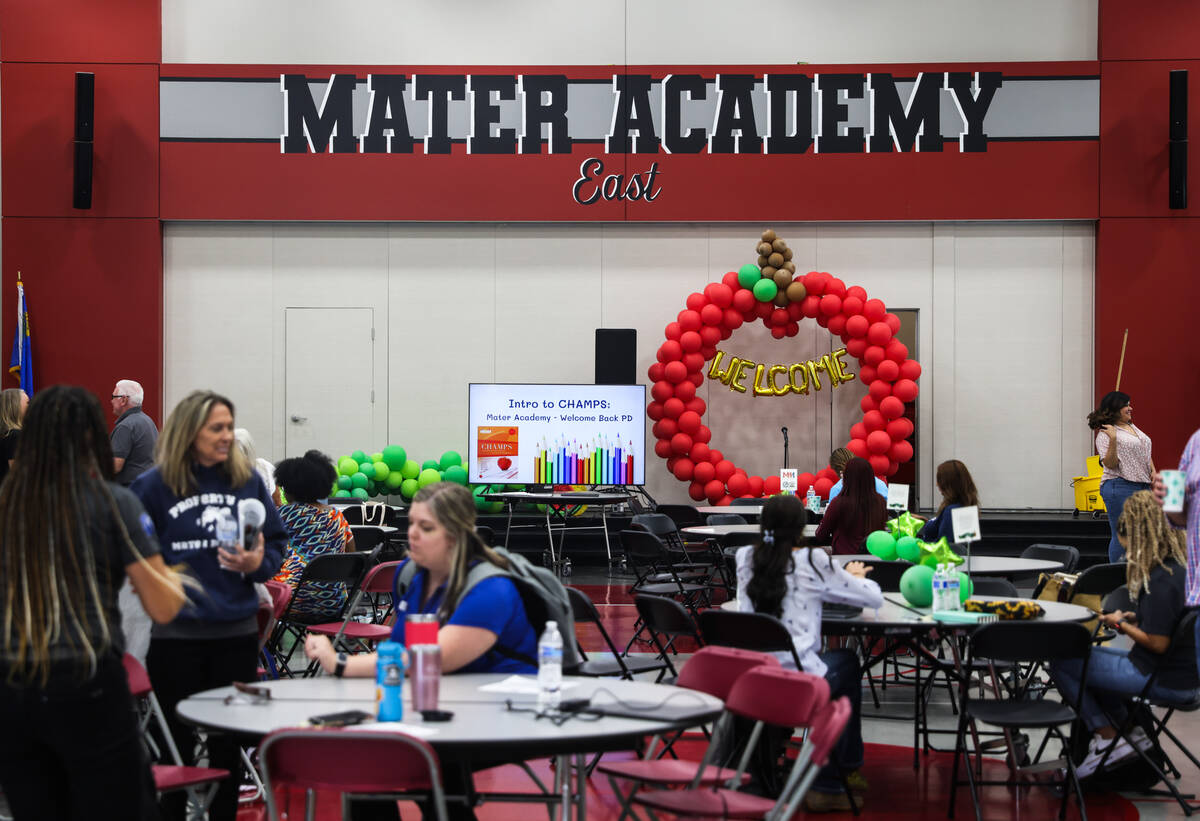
(558,434)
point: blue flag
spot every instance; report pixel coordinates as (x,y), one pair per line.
(21,363)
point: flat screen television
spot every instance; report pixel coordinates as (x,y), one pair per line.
(557,434)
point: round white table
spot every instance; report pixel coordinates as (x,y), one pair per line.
(716,531)
(741,510)
(483,728)
(1004,566)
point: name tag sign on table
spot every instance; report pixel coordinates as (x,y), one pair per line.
(966,523)
(897,497)
(789,479)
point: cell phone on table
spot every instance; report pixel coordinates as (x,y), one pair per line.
(342,719)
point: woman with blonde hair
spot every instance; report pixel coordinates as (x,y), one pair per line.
(198,480)
(1156,577)
(13,402)
(69,536)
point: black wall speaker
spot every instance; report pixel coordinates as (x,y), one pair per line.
(616,356)
(1177,177)
(85,111)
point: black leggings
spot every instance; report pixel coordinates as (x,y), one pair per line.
(73,750)
(179,668)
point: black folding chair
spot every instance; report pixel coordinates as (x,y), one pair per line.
(1100,580)
(682,515)
(1067,555)
(697,554)
(992,586)
(647,557)
(666,617)
(622,666)
(747,631)
(345,569)
(1020,642)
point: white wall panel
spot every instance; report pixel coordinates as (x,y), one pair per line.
(538,32)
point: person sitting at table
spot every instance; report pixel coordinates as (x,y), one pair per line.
(838,461)
(958,490)
(314,529)
(856,512)
(784,577)
(1156,577)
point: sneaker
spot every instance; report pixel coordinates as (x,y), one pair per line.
(1121,750)
(815,801)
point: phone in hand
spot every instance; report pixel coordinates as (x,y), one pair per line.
(342,719)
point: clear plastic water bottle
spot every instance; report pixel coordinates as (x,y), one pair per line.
(389,681)
(227,531)
(952,590)
(550,654)
(939,588)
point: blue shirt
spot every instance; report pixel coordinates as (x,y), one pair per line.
(939,526)
(880,488)
(494,604)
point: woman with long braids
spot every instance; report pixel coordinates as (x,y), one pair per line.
(200,477)
(784,577)
(1156,576)
(69,536)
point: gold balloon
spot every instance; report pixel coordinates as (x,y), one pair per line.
(762,261)
(775,260)
(779,245)
(789,266)
(764,249)
(796,291)
(768,235)
(787,253)
(782,279)
(768,271)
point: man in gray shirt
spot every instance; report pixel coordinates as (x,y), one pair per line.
(134,435)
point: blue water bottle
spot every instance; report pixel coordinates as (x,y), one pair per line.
(389,681)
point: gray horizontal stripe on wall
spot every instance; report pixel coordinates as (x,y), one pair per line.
(237,109)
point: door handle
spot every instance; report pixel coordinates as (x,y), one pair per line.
(299,420)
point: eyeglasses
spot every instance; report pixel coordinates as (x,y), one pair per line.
(120,396)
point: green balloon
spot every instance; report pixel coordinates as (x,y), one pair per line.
(449,459)
(765,290)
(916,585)
(456,474)
(393,480)
(394,457)
(359,456)
(408,488)
(749,274)
(881,544)
(429,476)
(359,480)
(359,493)
(431,463)
(344,483)
(347,466)
(381,471)
(410,470)
(965,586)
(908,548)
(931,561)
(377,457)
(342,494)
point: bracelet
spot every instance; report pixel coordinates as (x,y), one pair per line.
(340,668)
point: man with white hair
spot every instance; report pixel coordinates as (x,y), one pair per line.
(134,435)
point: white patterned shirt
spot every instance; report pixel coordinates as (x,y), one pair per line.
(1133,456)
(807,586)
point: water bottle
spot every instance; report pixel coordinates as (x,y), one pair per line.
(227,531)
(952,590)
(389,681)
(550,654)
(939,588)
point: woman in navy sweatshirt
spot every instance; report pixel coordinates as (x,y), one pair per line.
(198,478)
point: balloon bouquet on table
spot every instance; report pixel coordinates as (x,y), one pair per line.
(899,542)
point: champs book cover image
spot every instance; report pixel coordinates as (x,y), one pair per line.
(496,451)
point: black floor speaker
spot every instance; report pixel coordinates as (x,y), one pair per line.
(616,356)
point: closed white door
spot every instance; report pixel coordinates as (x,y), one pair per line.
(330,397)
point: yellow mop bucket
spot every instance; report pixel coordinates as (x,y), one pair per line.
(1087,489)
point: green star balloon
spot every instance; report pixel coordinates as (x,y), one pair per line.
(905,524)
(939,552)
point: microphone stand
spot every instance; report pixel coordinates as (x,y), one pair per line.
(785,446)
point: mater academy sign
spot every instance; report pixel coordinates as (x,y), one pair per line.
(586,144)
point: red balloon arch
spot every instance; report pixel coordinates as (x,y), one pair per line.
(865,327)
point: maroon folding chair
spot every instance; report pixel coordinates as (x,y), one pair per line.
(199,782)
(378,580)
(765,695)
(712,670)
(355,763)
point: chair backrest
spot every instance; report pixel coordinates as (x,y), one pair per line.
(887,574)
(379,578)
(366,537)
(827,727)
(659,524)
(749,631)
(1118,600)
(349,761)
(642,547)
(714,670)
(1023,641)
(681,515)
(726,519)
(666,616)
(136,675)
(787,698)
(581,606)
(331,568)
(1100,579)
(1069,556)
(281,595)
(991,586)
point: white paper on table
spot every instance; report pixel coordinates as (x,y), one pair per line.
(897,497)
(519,685)
(419,730)
(966,523)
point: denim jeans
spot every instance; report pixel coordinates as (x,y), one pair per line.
(845,679)
(1111,679)
(1114,492)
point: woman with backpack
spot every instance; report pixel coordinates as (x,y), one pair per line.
(483,629)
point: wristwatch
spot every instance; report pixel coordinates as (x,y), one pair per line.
(339,669)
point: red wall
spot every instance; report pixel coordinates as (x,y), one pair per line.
(1146,253)
(93,278)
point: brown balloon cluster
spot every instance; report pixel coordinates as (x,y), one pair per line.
(775,260)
